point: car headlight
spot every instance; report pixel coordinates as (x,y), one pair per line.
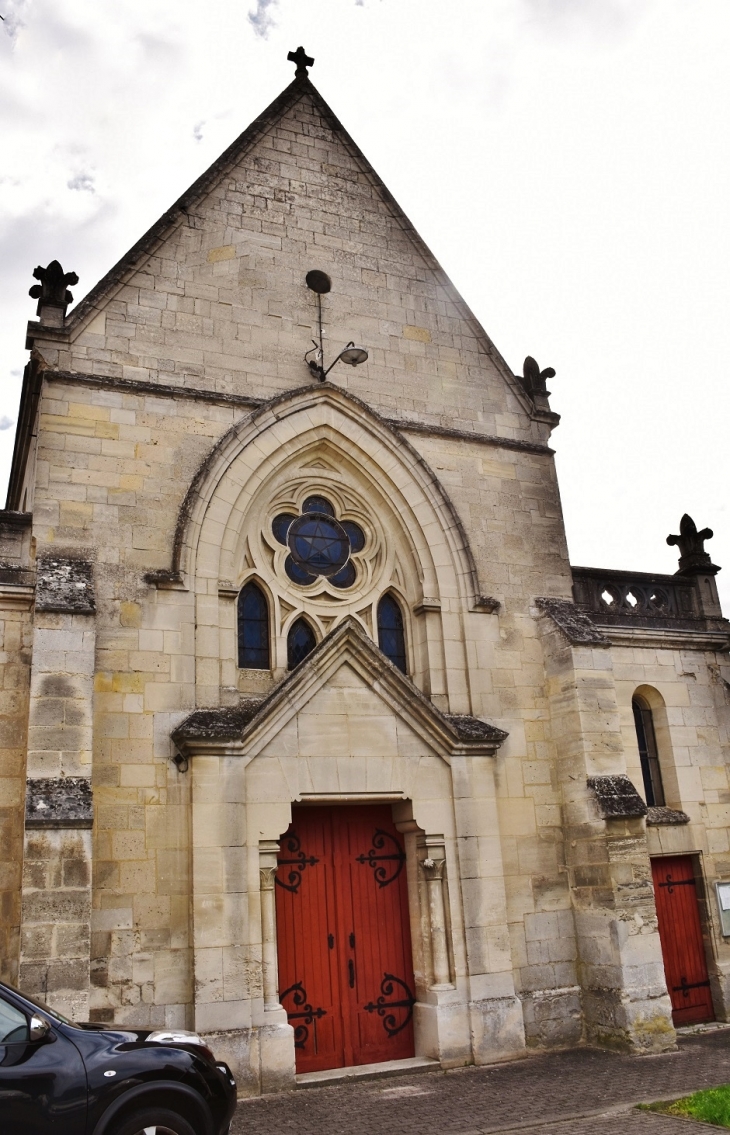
(175,1036)
(225,1071)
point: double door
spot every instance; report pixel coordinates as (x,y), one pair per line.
(345,963)
(680,933)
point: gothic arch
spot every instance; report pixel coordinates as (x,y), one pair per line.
(320,439)
(288,406)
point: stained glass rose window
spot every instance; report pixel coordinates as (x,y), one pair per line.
(318,543)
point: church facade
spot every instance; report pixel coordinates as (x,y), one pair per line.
(313,739)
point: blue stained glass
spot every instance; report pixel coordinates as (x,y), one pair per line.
(318,544)
(345,576)
(280,525)
(318,504)
(300,642)
(391,637)
(296,573)
(253,629)
(355,535)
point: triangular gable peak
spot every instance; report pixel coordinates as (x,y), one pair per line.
(246,729)
(262,202)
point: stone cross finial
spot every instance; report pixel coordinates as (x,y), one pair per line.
(52,295)
(692,555)
(302,61)
(533,379)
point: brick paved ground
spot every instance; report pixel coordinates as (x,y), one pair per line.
(584,1092)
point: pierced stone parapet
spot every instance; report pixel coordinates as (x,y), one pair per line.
(616,598)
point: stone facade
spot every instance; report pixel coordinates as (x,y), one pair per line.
(165,422)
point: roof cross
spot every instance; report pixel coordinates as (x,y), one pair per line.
(302,61)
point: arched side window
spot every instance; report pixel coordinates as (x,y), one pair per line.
(300,642)
(253,629)
(391,636)
(646,737)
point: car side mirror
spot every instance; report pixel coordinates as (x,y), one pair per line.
(39,1028)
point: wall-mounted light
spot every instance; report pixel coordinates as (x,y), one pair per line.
(320,283)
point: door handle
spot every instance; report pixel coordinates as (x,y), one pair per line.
(351,968)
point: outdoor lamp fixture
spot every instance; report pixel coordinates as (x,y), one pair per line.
(320,283)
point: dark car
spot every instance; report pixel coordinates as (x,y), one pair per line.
(60,1078)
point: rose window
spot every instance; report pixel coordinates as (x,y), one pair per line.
(318,543)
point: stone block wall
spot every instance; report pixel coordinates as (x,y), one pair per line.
(15,651)
(689,695)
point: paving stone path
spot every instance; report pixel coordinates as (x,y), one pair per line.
(584,1092)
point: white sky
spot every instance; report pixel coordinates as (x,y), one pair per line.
(568,161)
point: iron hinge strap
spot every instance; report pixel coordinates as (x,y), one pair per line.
(689,985)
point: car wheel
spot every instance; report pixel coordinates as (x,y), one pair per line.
(154,1121)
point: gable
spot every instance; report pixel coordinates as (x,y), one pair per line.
(247,728)
(348,718)
(218,301)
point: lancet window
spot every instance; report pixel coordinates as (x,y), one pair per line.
(650,768)
(391,635)
(253,629)
(300,642)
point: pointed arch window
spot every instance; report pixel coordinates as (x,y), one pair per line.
(253,629)
(648,752)
(300,642)
(391,636)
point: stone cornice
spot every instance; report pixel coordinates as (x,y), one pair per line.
(16,597)
(196,394)
(156,389)
(669,639)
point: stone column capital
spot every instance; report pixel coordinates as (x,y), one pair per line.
(267,876)
(433,869)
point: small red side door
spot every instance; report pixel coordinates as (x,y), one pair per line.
(680,933)
(345,962)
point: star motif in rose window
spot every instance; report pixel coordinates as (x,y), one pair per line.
(318,544)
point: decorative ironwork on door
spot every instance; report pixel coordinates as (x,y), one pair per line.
(344,947)
(377,861)
(302,1011)
(385,1008)
(298,864)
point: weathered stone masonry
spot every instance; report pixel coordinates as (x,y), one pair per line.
(146,777)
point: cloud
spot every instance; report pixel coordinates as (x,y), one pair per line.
(82,181)
(6,423)
(601,20)
(261,20)
(14,13)
(198,130)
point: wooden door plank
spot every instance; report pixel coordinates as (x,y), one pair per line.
(680,934)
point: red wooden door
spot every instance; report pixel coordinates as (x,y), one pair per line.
(345,963)
(680,933)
